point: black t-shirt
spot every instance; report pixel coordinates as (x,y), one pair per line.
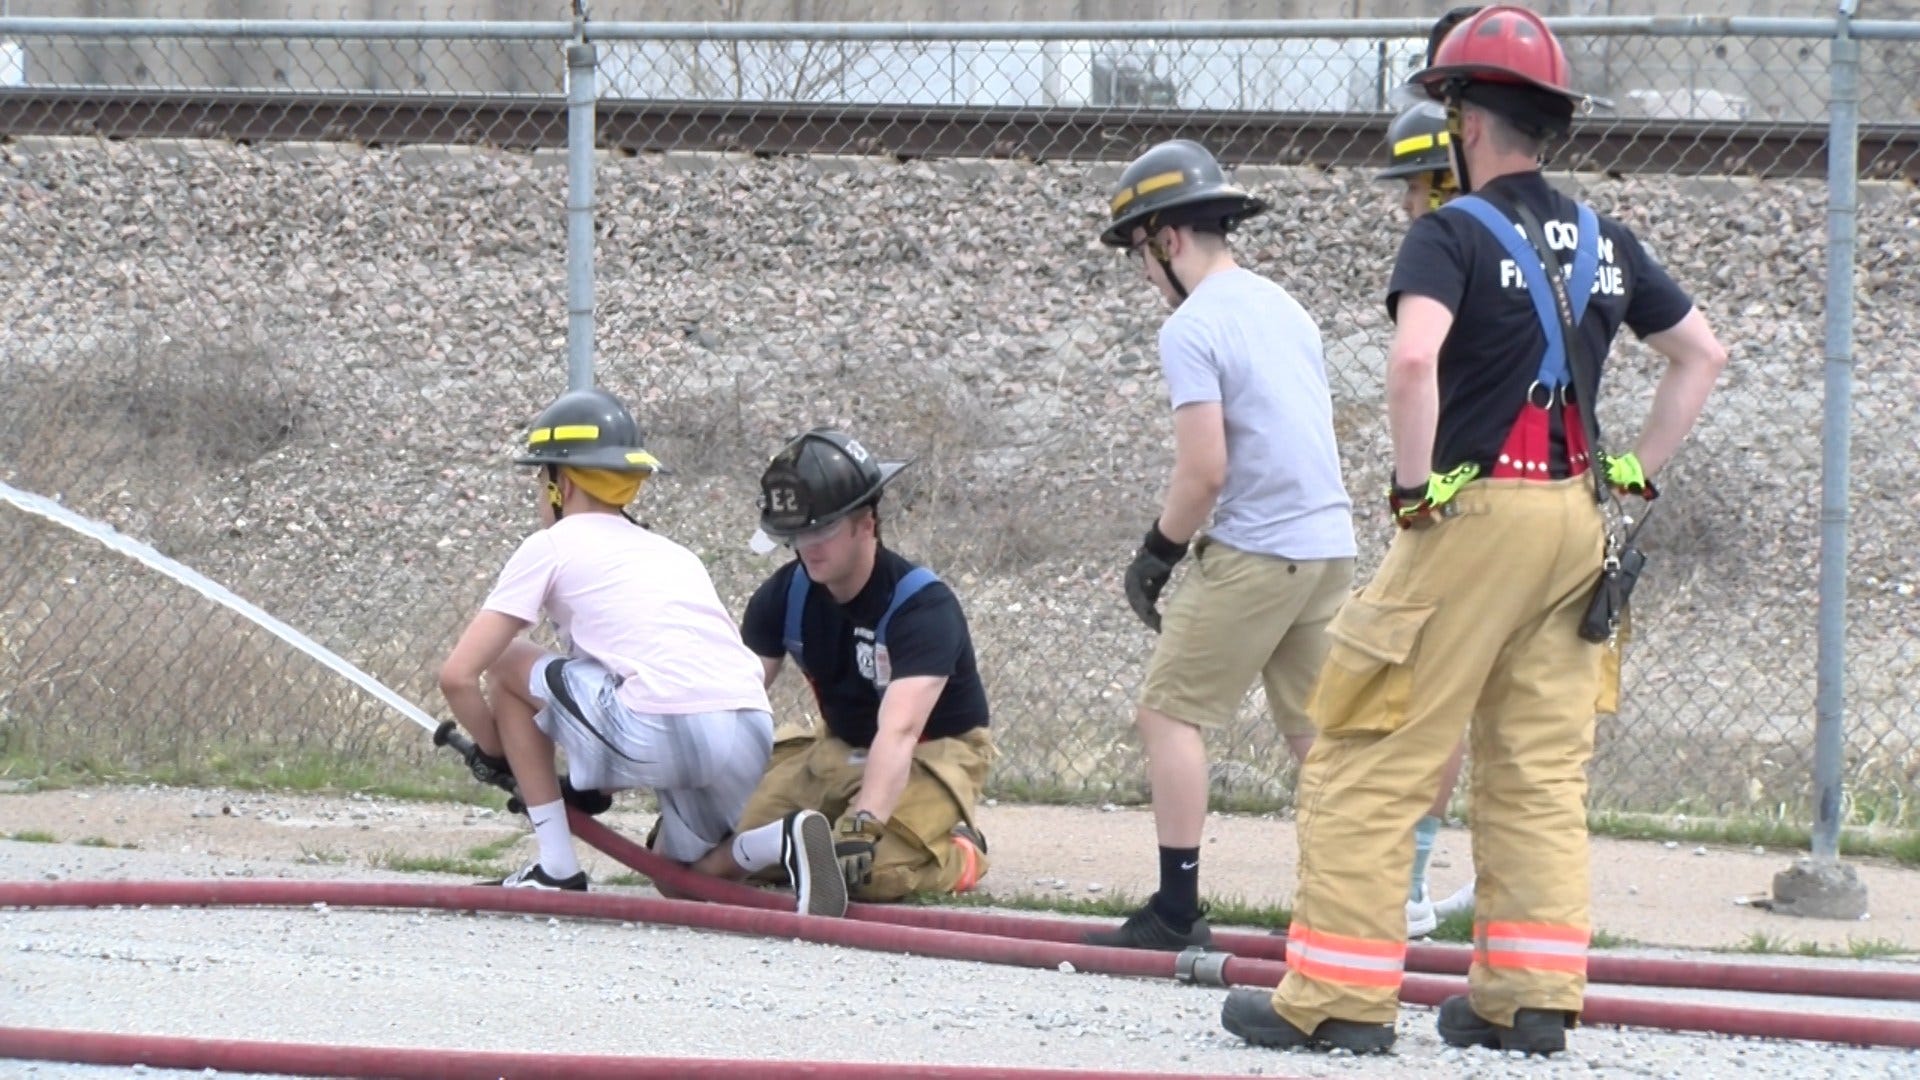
(928,636)
(1492,353)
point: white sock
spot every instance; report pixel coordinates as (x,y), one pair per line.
(757,849)
(555,839)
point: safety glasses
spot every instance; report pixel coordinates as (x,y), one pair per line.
(813,538)
(1137,251)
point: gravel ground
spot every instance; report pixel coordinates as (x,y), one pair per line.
(1647,892)
(366,978)
(438,980)
(301,370)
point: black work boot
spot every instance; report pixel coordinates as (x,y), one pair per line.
(1249,1014)
(1148,929)
(1534,1031)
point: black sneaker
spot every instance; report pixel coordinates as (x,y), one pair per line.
(806,850)
(532,876)
(1534,1031)
(1146,929)
(1249,1014)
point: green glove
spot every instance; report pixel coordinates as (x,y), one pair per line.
(1416,505)
(1625,476)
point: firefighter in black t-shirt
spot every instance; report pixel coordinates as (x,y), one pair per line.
(885,647)
(1475,612)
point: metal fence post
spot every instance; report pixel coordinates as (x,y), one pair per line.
(582,61)
(1822,886)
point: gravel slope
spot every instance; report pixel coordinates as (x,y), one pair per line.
(301,371)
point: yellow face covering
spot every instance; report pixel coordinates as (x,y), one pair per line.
(610,487)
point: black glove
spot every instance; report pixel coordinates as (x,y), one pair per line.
(1151,569)
(485,767)
(489,769)
(853,844)
(592,801)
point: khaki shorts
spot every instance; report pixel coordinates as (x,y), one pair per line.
(1236,616)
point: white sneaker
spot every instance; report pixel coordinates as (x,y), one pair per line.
(534,876)
(806,850)
(1460,903)
(1420,917)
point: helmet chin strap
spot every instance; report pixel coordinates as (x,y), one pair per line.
(554,498)
(1173,279)
(1159,253)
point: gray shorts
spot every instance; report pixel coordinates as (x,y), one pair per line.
(702,766)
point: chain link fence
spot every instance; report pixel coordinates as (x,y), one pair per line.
(280,304)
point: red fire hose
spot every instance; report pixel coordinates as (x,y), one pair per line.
(410,1063)
(1428,959)
(1217,968)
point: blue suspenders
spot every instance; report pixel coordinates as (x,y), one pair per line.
(916,579)
(1554,373)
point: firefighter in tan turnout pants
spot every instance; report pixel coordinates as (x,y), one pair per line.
(885,647)
(1476,610)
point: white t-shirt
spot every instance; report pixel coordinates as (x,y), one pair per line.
(1242,341)
(641,605)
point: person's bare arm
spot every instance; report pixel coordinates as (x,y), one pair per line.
(1199,469)
(1695,359)
(904,710)
(484,641)
(1413,386)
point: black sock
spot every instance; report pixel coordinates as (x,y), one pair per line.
(1178,900)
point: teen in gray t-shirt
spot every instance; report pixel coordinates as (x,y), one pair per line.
(1243,342)
(1254,452)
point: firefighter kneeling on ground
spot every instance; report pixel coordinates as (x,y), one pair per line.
(884,645)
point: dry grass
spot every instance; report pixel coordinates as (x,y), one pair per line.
(109,669)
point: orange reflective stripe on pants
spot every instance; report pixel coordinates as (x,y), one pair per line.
(1354,961)
(1474,618)
(1531,947)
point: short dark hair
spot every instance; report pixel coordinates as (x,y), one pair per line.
(1509,135)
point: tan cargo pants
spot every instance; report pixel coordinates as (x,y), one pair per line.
(1474,616)
(917,854)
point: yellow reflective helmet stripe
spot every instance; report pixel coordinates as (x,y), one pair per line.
(1417,143)
(1154,183)
(1148,186)
(563,433)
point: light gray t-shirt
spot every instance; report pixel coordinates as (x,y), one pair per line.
(1240,340)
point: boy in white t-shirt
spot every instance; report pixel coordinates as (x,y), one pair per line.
(657,689)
